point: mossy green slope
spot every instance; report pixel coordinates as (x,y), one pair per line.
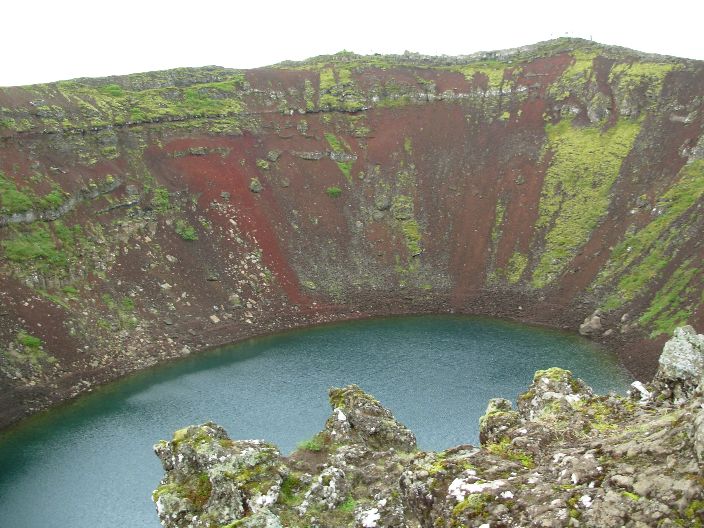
(585,163)
(640,258)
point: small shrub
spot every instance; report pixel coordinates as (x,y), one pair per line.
(127,304)
(333,192)
(314,444)
(28,341)
(160,200)
(113,90)
(255,185)
(185,230)
(349,505)
(290,490)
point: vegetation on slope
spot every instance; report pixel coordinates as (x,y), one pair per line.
(640,258)
(576,194)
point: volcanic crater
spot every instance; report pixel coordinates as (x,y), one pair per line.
(150,216)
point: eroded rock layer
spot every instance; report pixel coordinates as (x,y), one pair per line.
(564,457)
(148,216)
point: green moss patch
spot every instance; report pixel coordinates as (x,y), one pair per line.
(333,192)
(504,449)
(185,230)
(315,444)
(196,489)
(636,75)
(576,193)
(642,255)
(14,199)
(473,505)
(27,350)
(118,104)
(338,91)
(339,145)
(493,71)
(47,247)
(669,307)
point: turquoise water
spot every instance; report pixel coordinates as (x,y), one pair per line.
(90,463)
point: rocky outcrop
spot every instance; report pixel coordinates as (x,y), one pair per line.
(681,364)
(214,480)
(564,458)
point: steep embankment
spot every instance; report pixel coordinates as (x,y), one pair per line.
(148,216)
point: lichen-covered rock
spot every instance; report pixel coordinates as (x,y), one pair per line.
(211,479)
(359,418)
(497,419)
(681,364)
(565,458)
(260,519)
(553,388)
(328,491)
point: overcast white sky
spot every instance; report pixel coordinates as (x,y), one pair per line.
(54,39)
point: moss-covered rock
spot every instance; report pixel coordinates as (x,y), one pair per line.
(359,418)
(211,479)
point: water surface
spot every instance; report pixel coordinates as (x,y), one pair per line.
(90,464)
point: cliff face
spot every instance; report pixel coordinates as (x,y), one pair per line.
(564,457)
(148,216)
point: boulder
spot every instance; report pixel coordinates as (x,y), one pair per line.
(591,325)
(498,418)
(551,387)
(360,418)
(212,480)
(681,364)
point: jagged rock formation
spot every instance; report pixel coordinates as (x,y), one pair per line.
(149,216)
(564,457)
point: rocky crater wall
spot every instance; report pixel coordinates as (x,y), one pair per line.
(150,216)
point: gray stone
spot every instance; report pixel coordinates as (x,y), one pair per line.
(599,108)
(341,156)
(235,300)
(699,434)
(497,419)
(591,325)
(681,364)
(312,156)
(358,417)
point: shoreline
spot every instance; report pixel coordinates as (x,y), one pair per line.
(73,386)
